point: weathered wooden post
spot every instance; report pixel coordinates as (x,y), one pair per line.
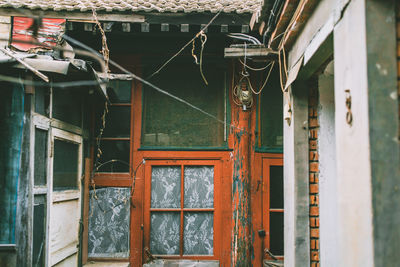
(241,190)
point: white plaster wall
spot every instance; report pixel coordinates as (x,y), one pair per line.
(296,189)
(320,16)
(355,238)
(288,187)
(328,212)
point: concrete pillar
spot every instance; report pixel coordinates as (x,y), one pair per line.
(327,170)
(367,150)
(296,191)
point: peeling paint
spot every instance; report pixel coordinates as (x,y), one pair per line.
(241,192)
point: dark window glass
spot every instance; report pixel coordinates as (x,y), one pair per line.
(67,106)
(114,150)
(119,91)
(118,122)
(42,100)
(276,233)
(40,173)
(39,231)
(276,187)
(65,166)
(170,123)
(272,113)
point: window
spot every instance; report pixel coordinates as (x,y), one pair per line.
(270,113)
(181,206)
(170,123)
(65,166)
(115,139)
(40,159)
(273,203)
(109,218)
(67,105)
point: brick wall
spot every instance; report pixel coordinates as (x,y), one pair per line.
(313,172)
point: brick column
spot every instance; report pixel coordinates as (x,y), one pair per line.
(313,172)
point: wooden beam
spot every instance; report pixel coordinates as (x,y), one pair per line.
(85,216)
(263,52)
(126,26)
(69,25)
(26,65)
(164,27)
(88,27)
(184,27)
(145,27)
(245,29)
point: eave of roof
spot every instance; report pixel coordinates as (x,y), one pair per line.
(134,6)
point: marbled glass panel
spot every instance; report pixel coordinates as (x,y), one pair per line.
(199,187)
(109,216)
(166,187)
(198,233)
(164,233)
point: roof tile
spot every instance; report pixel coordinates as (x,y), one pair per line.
(115,6)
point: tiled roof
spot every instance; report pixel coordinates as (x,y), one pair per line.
(115,6)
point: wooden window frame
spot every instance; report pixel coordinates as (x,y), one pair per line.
(118,178)
(267,162)
(216,210)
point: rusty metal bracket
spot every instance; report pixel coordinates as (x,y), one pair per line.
(349,114)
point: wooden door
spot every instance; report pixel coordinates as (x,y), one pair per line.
(65,198)
(273,207)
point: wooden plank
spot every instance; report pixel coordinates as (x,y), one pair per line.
(184,27)
(145,27)
(164,27)
(64,228)
(85,236)
(88,27)
(70,25)
(26,65)
(67,195)
(235,52)
(126,27)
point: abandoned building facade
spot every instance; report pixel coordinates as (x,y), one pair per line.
(199,133)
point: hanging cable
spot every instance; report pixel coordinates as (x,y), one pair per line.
(183,48)
(203,39)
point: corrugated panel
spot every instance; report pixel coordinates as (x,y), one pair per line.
(48,31)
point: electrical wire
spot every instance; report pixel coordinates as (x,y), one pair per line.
(254,69)
(134,76)
(183,48)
